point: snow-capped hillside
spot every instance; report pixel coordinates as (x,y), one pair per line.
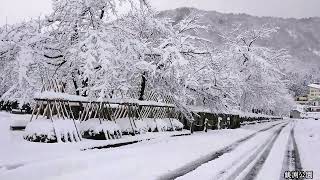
(300,36)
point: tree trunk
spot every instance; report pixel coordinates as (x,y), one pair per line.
(75,86)
(143,86)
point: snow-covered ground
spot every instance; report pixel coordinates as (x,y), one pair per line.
(17,151)
(307,134)
(155,159)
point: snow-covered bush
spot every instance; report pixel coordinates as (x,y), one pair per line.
(127,126)
(40,130)
(141,126)
(66,130)
(151,123)
(45,130)
(100,129)
(172,124)
(163,124)
(178,126)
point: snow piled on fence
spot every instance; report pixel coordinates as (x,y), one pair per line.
(51,95)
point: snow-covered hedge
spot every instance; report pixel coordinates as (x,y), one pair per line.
(127,126)
(141,126)
(148,125)
(172,124)
(44,130)
(100,129)
(178,126)
(151,123)
(163,124)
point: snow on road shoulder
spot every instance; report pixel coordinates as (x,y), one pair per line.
(307,134)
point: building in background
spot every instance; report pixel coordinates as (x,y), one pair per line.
(302,100)
(308,106)
(314,91)
(314,98)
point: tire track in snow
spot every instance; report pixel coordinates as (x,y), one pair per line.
(288,161)
(258,151)
(296,156)
(210,157)
(253,172)
(292,160)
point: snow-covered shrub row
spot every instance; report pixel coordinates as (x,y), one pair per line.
(149,125)
(45,130)
(152,124)
(128,126)
(177,124)
(99,129)
(167,124)
(156,125)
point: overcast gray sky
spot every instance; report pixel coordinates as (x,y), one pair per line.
(19,10)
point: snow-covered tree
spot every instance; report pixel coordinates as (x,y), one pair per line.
(100,53)
(21,59)
(262,82)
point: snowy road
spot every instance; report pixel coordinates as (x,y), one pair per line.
(262,151)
